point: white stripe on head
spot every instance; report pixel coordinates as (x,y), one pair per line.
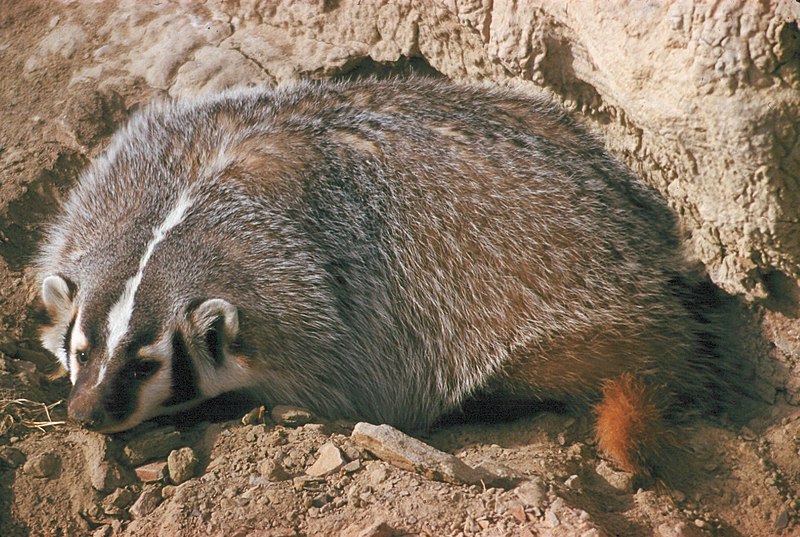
(120,315)
(78,341)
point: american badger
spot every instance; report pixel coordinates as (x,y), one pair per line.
(380,250)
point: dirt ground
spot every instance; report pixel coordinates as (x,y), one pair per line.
(738,474)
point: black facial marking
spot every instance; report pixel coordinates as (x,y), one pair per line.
(67,339)
(121,399)
(184,382)
(214,342)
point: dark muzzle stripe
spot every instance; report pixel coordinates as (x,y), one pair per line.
(68,338)
(184,378)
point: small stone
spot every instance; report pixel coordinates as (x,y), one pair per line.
(255,416)
(41,465)
(114,503)
(680,529)
(182,465)
(272,470)
(150,445)
(502,476)
(408,453)
(518,512)
(622,481)
(532,493)
(103,531)
(781,521)
(154,471)
(352,466)
(377,529)
(378,475)
(290,416)
(147,502)
(573,482)
(551,519)
(12,457)
(330,460)
(168,491)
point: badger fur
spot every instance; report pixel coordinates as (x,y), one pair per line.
(380,250)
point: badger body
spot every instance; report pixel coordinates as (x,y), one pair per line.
(380,250)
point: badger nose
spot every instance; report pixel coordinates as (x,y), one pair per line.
(87,416)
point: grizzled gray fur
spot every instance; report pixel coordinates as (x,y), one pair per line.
(379,250)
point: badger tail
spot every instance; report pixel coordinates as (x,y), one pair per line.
(632,426)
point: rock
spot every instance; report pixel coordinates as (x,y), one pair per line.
(12,457)
(352,466)
(290,416)
(781,521)
(105,473)
(678,529)
(377,529)
(182,464)
(117,501)
(272,470)
(532,493)
(622,481)
(403,451)
(147,502)
(330,460)
(41,465)
(154,471)
(504,477)
(153,444)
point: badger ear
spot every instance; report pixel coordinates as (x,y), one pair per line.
(217,322)
(57,295)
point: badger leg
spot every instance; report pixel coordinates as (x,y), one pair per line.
(632,427)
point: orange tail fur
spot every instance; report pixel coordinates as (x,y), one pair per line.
(631,428)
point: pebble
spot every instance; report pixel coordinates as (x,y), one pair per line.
(290,416)
(352,466)
(378,475)
(330,460)
(408,453)
(154,471)
(781,521)
(114,503)
(272,470)
(182,464)
(532,493)
(41,465)
(150,445)
(147,502)
(622,481)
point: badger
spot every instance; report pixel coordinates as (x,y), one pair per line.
(381,250)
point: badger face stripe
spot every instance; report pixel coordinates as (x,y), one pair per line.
(184,377)
(78,342)
(67,343)
(120,314)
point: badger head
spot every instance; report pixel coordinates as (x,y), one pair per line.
(130,319)
(120,379)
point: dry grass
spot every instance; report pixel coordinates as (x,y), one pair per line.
(27,413)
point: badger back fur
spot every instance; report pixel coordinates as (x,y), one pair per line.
(376,249)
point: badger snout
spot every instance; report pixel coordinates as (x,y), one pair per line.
(86,408)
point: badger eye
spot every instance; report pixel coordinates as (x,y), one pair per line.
(82,357)
(143,369)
